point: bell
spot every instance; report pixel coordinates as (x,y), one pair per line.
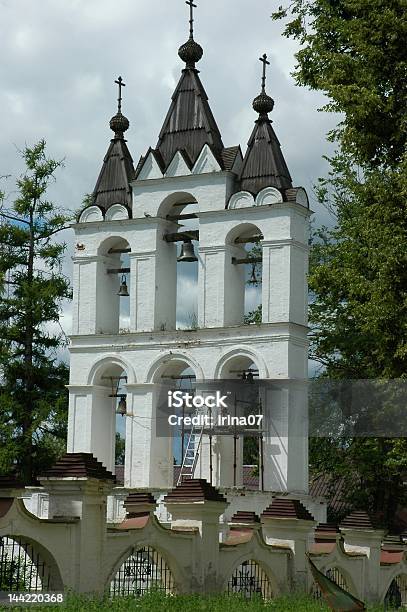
(187,253)
(122,407)
(123,291)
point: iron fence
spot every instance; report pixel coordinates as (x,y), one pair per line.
(144,570)
(21,567)
(250,580)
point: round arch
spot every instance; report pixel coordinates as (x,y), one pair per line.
(242,230)
(396,588)
(170,358)
(33,559)
(179,197)
(108,361)
(250,563)
(116,241)
(149,564)
(240,353)
(340,576)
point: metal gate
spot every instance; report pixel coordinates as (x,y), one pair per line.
(21,567)
(249,580)
(336,576)
(144,570)
(396,596)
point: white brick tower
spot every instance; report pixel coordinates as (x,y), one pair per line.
(131,229)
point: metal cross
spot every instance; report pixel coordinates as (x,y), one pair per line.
(120,83)
(265,64)
(191,16)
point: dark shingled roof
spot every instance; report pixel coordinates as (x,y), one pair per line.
(79,465)
(360,520)
(139,498)
(243,516)
(10,482)
(189,124)
(229,156)
(282,507)
(113,186)
(264,164)
(194,490)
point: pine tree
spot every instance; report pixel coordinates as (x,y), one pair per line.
(33,399)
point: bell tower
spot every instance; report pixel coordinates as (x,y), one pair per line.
(191,207)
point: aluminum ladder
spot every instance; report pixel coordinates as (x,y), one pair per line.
(191,455)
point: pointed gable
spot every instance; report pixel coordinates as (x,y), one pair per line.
(264,164)
(189,124)
(206,162)
(179,166)
(149,168)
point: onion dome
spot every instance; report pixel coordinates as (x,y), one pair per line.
(190,53)
(119,124)
(263,104)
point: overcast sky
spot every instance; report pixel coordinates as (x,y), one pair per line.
(59,60)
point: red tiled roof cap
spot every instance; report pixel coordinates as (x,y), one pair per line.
(243,516)
(193,490)
(360,520)
(79,465)
(141,497)
(282,507)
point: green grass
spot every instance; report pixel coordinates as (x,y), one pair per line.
(155,602)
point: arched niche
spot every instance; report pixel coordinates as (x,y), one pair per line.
(91,214)
(180,257)
(116,212)
(26,565)
(269,196)
(243,274)
(113,286)
(242,199)
(144,569)
(250,579)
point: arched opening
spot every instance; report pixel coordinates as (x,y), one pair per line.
(112,407)
(24,567)
(396,596)
(177,382)
(247,450)
(144,570)
(250,580)
(113,287)
(243,280)
(336,575)
(182,210)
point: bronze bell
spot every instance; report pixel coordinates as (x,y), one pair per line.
(123,291)
(122,406)
(187,253)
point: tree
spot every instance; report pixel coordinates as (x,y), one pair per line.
(33,400)
(354,52)
(120,449)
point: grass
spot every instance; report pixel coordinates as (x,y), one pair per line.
(156,602)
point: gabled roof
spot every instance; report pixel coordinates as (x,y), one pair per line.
(189,124)
(264,164)
(113,184)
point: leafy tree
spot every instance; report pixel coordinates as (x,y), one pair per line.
(33,400)
(120,449)
(354,52)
